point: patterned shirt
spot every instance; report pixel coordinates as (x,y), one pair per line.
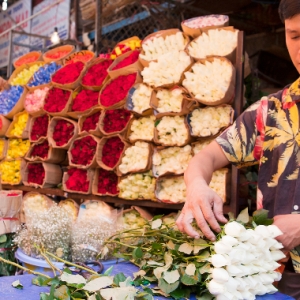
(268,133)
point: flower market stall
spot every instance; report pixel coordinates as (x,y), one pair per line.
(78,131)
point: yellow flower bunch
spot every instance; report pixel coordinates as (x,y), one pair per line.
(19,124)
(23,77)
(17,148)
(10,171)
(2,147)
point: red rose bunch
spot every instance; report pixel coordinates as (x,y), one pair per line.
(129,60)
(68,73)
(117,90)
(83,151)
(115,120)
(107,182)
(56,100)
(96,73)
(36,173)
(63,132)
(91,122)
(41,150)
(77,180)
(84,100)
(39,128)
(112,151)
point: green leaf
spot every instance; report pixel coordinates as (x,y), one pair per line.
(243,216)
(166,287)
(40,280)
(157,217)
(3,238)
(181,293)
(188,280)
(137,253)
(157,246)
(67,270)
(144,296)
(260,217)
(17,285)
(120,277)
(78,294)
(44,296)
(62,293)
(108,271)
(205,296)
(156,123)
(149,291)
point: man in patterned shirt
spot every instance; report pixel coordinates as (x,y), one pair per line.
(267,133)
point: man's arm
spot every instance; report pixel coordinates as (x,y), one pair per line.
(202,203)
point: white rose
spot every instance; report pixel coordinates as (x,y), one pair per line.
(274,231)
(215,288)
(220,275)
(262,231)
(229,240)
(233,270)
(277,255)
(219,260)
(222,248)
(234,229)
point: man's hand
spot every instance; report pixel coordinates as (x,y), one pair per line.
(204,205)
(290,226)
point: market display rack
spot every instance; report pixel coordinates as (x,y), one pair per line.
(235,203)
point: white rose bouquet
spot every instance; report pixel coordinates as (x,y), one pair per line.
(167,70)
(169,100)
(172,131)
(137,186)
(209,121)
(171,189)
(211,82)
(142,129)
(136,158)
(218,42)
(141,98)
(158,45)
(171,160)
(218,182)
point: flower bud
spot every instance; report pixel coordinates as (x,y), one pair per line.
(234,229)
(215,288)
(231,285)
(219,260)
(271,289)
(274,231)
(277,255)
(220,275)
(222,248)
(233,270)
(229,240)
(262,231)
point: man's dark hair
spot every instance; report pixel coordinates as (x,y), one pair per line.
(288,9)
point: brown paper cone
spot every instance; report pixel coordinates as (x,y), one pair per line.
(93,163)
(78,114)
(25,133)
(129,131)
(122,102)
(69,48)
(71,206)
(36,54)
(135,67)
(83,117)
(53,175)
(158,142)
(90,176)
(95,185)
(99,152)
(230,93)
(142,212)
(5,145)
(188,121)
(4,125)
(51,131)
(55,155)
(147,167)
(78,54)
(95,88)
(195,32)
(31,123)
(160,33)
(62,113)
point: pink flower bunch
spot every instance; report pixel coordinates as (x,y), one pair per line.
(35,101)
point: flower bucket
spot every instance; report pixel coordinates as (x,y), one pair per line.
(63,110)
(28,58)
(112,177)
(54,155)
(93,120)
(51,131)
(52,178)
(104,119)
(25,132)
(90,173)
(93,162)
(128,69)
(37,265)
(117,160)
(95,68)
(61,53)
(82,97)
(4,125)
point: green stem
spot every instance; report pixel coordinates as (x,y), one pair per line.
(53,267)
(71,264)
(23,268)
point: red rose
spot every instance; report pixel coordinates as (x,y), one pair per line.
(85,100)
(39,128)
(112,151)
(83,151)
(36,173)
(96,74)
(56,100)
(107,182)
(40,150)
(77,180)
(115,120)
(68,73)
(129,60)
(63,132)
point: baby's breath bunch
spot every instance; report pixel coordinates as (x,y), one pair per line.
(50,230)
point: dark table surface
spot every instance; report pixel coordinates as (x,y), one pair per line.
(32,292)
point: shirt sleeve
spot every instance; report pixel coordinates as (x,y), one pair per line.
(241,142)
